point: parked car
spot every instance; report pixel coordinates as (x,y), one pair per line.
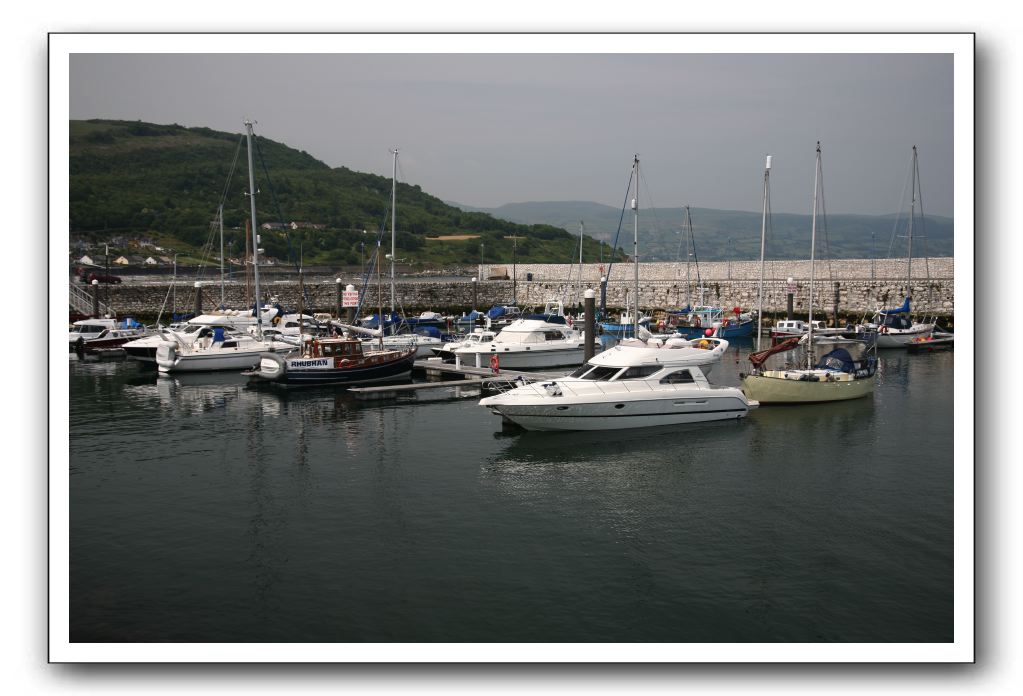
(103,278)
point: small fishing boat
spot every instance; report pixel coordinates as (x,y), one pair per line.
(94,334)
(477,337)
(337,361)
(696,321)
(628,386)
(937,341)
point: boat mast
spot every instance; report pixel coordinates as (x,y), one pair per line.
(580,279)
(763,236)
(687,241)
(912,214)
(635,247)
(255,235)
(394,210)
(813,245)
(380,299)
(221,216)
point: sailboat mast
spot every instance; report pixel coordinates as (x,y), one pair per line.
(580,279)
(635,248)
(221,216)
(763,237)
(912,214)
(813,246)
(394,211)
(380,299)
(255,234)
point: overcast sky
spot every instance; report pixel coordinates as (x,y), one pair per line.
(484,130)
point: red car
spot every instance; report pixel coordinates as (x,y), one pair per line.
(103,278)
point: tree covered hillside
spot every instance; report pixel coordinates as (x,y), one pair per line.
(164,182)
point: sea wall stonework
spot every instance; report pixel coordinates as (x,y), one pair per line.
(861,286)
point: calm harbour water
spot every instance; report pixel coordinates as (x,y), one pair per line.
(203,509)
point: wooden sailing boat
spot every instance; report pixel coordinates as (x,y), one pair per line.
(846,372)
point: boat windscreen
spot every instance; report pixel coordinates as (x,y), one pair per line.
(602,374)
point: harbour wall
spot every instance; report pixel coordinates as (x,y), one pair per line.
(861,287)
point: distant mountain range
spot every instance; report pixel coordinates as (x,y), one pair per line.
(721,235)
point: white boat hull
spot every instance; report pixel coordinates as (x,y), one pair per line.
(514,359)
(621,415)
(209,362)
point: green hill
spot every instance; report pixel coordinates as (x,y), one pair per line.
(164,182)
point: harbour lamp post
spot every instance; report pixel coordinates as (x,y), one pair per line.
(337,283)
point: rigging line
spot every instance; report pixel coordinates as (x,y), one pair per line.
(614,248)
(367,274)
(692,238)
(230,173)
(824,221)
(901,208)
(652,208)
(923,230)
(280,215)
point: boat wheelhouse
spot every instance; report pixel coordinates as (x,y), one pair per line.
(339,361)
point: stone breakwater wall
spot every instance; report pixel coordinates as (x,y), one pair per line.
(662,286)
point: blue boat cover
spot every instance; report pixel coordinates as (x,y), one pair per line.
(904,309)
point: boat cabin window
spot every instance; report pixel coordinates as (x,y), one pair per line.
(85,328)
(602,374)
(678,377)
(640,371)
(581,371)
(553,336)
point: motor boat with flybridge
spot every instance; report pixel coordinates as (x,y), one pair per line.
(635,384)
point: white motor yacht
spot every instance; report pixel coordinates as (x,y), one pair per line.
(628,386)
(213,349)
(531,344)
(144,349)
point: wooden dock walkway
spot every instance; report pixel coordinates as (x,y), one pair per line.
(464,380)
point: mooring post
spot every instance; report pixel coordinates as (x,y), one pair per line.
(95,298)
(198,298)
(589,321)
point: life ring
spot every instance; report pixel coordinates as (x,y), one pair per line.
(495,363)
